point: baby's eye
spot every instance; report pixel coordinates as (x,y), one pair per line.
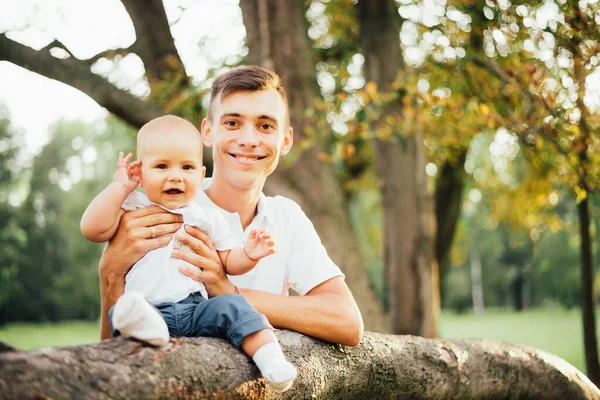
(161,166)
(188,167)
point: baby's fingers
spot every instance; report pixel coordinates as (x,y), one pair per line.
(127,157)
(264,235)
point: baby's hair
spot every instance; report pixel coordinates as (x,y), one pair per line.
(165,125)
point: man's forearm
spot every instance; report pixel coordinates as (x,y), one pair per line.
(330,316)
(111,288)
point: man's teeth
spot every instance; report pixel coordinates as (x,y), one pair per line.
(248,159)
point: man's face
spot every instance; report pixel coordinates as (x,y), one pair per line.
(172,169)
(248,133)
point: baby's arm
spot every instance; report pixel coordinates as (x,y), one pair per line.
(240,260)
(101,218)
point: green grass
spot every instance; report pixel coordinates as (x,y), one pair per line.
(555,331)
(27,336)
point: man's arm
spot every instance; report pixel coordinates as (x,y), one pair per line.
(327,312)
(132,240)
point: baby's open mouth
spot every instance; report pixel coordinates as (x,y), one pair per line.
(173,191)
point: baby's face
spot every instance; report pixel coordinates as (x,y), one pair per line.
(172,169)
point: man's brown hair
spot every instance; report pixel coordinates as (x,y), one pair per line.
(247,79)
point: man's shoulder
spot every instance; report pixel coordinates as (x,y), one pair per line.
(281,204)
(283,210)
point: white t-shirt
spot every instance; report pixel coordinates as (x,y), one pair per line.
(301,260)
(156,276)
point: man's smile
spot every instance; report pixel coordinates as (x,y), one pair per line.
(246,158)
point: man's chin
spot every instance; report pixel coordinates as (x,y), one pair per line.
(246,181)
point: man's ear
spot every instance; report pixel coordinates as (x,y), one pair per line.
(288,141)
(206,131)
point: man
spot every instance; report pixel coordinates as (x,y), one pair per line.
(248,128)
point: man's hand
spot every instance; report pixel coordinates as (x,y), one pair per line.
(209,269)
(138,232)
(260,244)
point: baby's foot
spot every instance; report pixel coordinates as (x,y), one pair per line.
(280,375)
(273,366)
(134,316)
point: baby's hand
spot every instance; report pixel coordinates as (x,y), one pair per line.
(260,244)
(128,174)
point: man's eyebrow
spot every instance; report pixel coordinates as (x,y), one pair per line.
(238,115)
(268,118)
(226,115)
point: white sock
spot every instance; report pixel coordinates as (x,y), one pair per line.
(135,317)
(273,366)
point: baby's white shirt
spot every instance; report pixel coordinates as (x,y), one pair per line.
(156,276)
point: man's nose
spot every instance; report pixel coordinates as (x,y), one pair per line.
(248,137)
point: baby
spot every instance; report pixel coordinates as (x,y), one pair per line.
(159,300)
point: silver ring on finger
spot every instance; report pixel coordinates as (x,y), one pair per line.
(153,232)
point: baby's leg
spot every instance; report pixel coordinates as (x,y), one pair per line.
(231,316)
(264,349)
(134,316)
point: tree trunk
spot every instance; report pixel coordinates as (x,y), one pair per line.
(448,202)
(382,367)
(277,39)
(412,278)
(587,289)
(521,288)
(476,281)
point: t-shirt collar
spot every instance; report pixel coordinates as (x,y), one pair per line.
(262,210)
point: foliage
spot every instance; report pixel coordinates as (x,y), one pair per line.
(54,275)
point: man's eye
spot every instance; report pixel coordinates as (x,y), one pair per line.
(161,166)
(267,127)
(231,123)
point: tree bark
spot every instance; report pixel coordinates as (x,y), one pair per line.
(384,366)
(412,278)
(277,39)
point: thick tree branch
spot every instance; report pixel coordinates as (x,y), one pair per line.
(77,74)
(382,367)
(59,44)
(109,54)
(154,41)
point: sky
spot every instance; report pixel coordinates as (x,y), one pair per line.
(88,27)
